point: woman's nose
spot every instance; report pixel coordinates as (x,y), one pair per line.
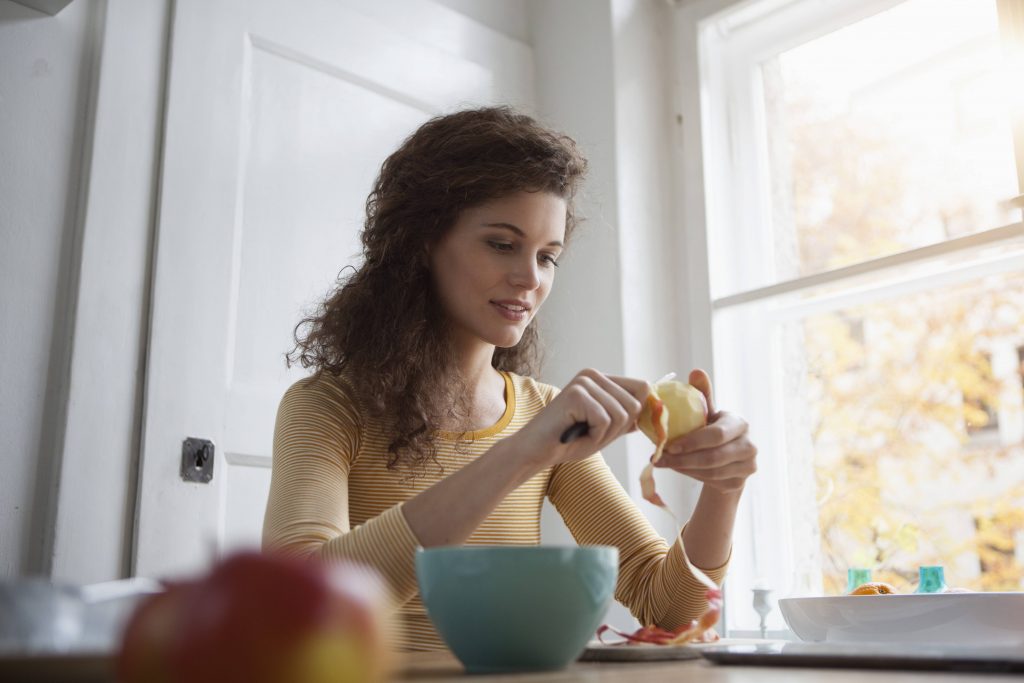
(525,274)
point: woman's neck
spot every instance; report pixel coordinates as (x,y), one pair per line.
(474,366)
(485,387)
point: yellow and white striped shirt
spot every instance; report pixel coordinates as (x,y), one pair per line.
(331,494)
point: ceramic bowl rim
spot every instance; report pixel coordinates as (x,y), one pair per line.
(518,549)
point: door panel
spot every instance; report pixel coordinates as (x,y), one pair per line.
(279,115)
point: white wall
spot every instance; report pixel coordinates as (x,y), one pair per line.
(76,213)
(604,76)
(44,102)
(582,320)
(96,489)
(79,151)
(80,120)
(656,283)
(505,16)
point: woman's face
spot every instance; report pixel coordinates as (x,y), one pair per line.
(496,265)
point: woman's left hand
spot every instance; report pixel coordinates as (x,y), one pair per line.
(719,454)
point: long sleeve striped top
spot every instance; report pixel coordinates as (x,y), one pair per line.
(332,495)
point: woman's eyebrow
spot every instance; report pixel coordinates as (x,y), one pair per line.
(516,230)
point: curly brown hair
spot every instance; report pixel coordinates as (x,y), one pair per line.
(382,327)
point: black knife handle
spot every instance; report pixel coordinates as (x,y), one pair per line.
(578,429)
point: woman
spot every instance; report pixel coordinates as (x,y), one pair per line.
(422,426)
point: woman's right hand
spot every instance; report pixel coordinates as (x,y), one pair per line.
(610,406)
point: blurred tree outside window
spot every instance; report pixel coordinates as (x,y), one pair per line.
(900,388)
(909,145)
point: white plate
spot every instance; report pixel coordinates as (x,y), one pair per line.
(995,619)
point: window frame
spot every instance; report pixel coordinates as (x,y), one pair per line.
(718,45)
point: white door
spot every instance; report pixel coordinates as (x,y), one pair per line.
(279,114)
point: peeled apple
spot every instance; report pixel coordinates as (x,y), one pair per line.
(672,409)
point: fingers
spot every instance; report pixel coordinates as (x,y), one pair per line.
(728,427)
(725,468)
(608,404)
(611,414)
(637,388)
(621,408)
(588,409)
(740,452)
(700,380)
(630,393)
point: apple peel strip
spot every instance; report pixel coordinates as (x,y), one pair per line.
(659,416)
(700,629)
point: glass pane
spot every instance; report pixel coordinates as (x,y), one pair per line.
(889,134)
(915,408)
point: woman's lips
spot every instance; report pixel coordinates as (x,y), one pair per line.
(510,314)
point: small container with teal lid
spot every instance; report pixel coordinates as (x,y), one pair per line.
(931,580)
(856,576)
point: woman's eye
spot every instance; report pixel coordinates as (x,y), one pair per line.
(505,247)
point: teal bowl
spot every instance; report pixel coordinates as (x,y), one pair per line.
(517,608)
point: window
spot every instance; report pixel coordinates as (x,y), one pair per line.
(862,199)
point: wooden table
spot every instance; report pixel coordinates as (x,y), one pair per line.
(442,667)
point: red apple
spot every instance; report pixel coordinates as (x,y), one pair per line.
(263,619)
(145,650)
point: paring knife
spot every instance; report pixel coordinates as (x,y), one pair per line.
(579,429)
